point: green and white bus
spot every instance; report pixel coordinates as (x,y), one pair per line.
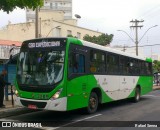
(63,74)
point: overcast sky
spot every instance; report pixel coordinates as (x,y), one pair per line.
(108,16)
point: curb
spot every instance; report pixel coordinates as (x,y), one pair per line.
(7,112)
(156,88)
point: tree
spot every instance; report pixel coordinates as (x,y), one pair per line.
(156,66)
(103,39)
(10,5)
(70,35)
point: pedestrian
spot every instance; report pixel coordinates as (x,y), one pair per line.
(2,85)
(157,82)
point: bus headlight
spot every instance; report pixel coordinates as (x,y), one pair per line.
(16,93)
(57,94)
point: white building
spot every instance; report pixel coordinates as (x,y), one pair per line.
(155,57)
(52,5)
(7,48)
(131,50)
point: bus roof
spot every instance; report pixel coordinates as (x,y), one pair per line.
(109,49)
(96,46)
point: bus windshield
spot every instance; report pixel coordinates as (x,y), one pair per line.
(41,67)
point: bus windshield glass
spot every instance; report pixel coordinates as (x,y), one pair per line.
(40,68)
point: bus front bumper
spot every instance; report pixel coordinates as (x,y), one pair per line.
(59,104)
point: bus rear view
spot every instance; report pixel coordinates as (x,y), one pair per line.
(40,74)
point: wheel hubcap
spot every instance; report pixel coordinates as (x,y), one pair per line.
(137,96)
(92,103)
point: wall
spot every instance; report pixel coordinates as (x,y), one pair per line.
(25,31)
(11,72)
(4,51)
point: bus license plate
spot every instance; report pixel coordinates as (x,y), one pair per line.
(32,106)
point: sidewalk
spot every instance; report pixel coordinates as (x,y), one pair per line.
(8,103)
(11,110)
(155,87)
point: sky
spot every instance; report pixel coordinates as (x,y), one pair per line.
(108,16)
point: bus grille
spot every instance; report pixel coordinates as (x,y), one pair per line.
(38,104)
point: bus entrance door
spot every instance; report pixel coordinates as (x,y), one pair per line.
(77,83)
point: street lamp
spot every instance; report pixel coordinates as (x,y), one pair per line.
(77,16)
(137,41)
(146,32)
(51,30)
(126,34)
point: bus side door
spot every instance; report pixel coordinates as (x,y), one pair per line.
(77,78)
(123,66)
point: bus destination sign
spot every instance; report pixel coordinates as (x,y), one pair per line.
(44,44)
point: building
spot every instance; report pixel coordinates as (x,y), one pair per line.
(131,50)
(155,57)
(51,24)
(7,48)
(52,5)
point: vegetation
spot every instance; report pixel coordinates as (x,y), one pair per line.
(10,5)
(156,66)
(70,35)
(103,39)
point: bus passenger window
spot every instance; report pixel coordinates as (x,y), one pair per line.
(97,64)
(76,63)
(112,64)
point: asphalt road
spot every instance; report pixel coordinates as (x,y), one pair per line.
(116,115)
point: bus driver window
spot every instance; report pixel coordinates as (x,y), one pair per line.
(76,63)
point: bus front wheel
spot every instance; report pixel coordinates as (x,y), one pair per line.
(92,103)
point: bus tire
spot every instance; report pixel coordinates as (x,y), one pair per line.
(92,103)
(137,94)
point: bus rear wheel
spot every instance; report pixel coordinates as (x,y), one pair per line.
(137,95)
(92,103)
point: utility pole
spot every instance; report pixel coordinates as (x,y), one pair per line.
(124,48)
(136,26)
(36,23)
(40,33)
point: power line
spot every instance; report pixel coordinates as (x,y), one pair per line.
(135,46)
(148,45)
(150,12)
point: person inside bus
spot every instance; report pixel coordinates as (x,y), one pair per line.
(2,85)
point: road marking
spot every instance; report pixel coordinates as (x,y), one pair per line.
(88,118)
(151,96)
(3,119)
(54,128)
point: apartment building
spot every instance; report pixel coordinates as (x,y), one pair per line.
(52,5)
